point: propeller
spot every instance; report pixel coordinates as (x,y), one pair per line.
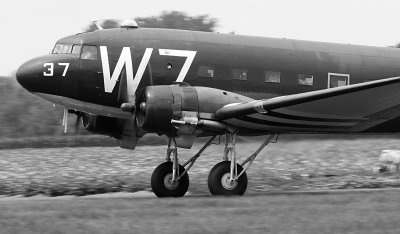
(128,103)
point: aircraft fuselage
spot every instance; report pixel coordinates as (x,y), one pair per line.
(253,67)
(222,53)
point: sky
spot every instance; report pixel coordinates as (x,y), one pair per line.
(31,28)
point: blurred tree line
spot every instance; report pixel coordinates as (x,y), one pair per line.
(167,19)
(24,115)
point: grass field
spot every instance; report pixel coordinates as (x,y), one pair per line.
(287,165)
(354,212)
(72,140)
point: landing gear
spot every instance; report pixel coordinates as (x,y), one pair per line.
(170,179)
(229,178)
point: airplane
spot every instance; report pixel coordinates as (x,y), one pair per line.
(130,81)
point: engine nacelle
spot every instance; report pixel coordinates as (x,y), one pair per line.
(124,130)
(177,109)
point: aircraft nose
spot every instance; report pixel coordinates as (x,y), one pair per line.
(28,72)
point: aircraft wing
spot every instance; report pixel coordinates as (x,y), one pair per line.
(86,106)
(354,108)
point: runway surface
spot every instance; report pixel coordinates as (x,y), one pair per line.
(333,211)
(149,194)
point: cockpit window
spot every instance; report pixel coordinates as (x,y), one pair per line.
(66,49)
(58,48)
(76,49)
(89,52)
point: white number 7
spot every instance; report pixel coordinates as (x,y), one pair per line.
(181,53)
(65,69)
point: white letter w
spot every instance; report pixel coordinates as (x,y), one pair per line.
(124,59)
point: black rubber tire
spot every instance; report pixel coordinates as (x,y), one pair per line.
(157,181)
(215,180)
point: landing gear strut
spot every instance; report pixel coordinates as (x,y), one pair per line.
(170,179)
(229,178)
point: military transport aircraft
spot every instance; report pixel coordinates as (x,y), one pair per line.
(129,81)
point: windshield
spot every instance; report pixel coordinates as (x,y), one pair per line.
(67,49)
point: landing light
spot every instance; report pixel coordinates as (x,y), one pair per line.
(143,107)
(128,107)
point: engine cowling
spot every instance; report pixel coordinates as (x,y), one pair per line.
(177,109)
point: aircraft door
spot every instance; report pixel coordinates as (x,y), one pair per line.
(91,87)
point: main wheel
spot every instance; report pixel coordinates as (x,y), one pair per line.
(219,180)
(162,184)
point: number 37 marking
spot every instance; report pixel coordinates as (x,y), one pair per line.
(50,68)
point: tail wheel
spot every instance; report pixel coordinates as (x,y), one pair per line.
(219,181)
(162,184)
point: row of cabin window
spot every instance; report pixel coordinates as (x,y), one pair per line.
(270,76)
(90,53)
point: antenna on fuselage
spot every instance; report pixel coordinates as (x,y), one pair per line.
(98,25)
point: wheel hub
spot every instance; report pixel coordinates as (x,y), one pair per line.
(169,183)
(227,183)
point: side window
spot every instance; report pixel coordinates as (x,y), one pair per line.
(239,74)
(337,80)
(305,79)
(272,77)
(89,52)
(76,49)
(206,71)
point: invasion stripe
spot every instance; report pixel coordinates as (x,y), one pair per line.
(277,124)
(314,119)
